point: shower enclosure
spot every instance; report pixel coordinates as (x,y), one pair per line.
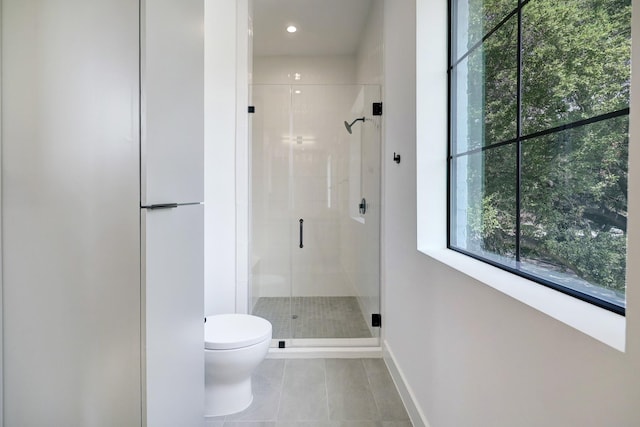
(315,212)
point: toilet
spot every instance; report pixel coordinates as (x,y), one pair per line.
(234,345)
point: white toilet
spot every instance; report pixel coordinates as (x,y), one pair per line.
(234,345)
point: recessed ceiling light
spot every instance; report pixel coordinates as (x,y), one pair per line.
(292,29)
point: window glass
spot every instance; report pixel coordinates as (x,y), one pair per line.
(485,92)
(539,114)
(575,61)
(483,209)
(574,208)
(474,19)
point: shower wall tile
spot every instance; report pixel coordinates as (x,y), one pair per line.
(271,285)
(314,209)
(321,284)
(277,209)
(338,69)
(277,233)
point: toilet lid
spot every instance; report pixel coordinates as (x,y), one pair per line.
(229,331)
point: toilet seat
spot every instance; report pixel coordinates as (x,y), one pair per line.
(233,331)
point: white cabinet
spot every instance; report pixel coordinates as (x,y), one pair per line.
(172,79)
(172,172)
(173,257)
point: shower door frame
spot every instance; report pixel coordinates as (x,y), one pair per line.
(374,123)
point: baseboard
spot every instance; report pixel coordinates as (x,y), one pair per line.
(418,419)
(325,353)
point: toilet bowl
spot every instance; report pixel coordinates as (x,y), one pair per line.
(234,345)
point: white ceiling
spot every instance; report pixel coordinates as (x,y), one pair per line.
(325,27)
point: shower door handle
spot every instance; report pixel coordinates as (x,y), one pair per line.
(362,207)
(301,232)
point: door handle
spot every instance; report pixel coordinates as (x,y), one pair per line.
(362,207)
(161,206)
(301,233)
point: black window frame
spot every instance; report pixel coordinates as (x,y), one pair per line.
(518,140)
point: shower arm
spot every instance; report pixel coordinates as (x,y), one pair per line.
(348,125)
(357,120)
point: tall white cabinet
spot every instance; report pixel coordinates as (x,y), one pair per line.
(172,216)
(102,298)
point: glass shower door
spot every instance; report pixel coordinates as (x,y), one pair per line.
(335,274)
(309,177)
(270,288)
(367,241)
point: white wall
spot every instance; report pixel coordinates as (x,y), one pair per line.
(220,155)
(370,51)
(244,64)
(470,355)
(1,286)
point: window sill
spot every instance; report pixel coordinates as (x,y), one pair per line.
(600,324)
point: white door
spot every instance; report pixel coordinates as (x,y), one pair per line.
(173,256)
(172,104)
(70,213)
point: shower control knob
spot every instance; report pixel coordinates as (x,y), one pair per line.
(362,207)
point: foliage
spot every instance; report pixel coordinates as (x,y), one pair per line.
(575,65)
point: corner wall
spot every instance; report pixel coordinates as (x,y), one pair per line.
(470,355)
(370,52)
(221,103)
(1,241)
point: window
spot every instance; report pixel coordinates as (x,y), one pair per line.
(539,115)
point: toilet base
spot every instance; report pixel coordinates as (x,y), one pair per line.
(227,398)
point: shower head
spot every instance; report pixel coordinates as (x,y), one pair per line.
(348,125)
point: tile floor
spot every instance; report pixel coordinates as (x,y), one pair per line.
(313,317)
(321,393)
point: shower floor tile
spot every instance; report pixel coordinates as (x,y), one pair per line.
(313,317)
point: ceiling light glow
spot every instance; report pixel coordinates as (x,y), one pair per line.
(291,29)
